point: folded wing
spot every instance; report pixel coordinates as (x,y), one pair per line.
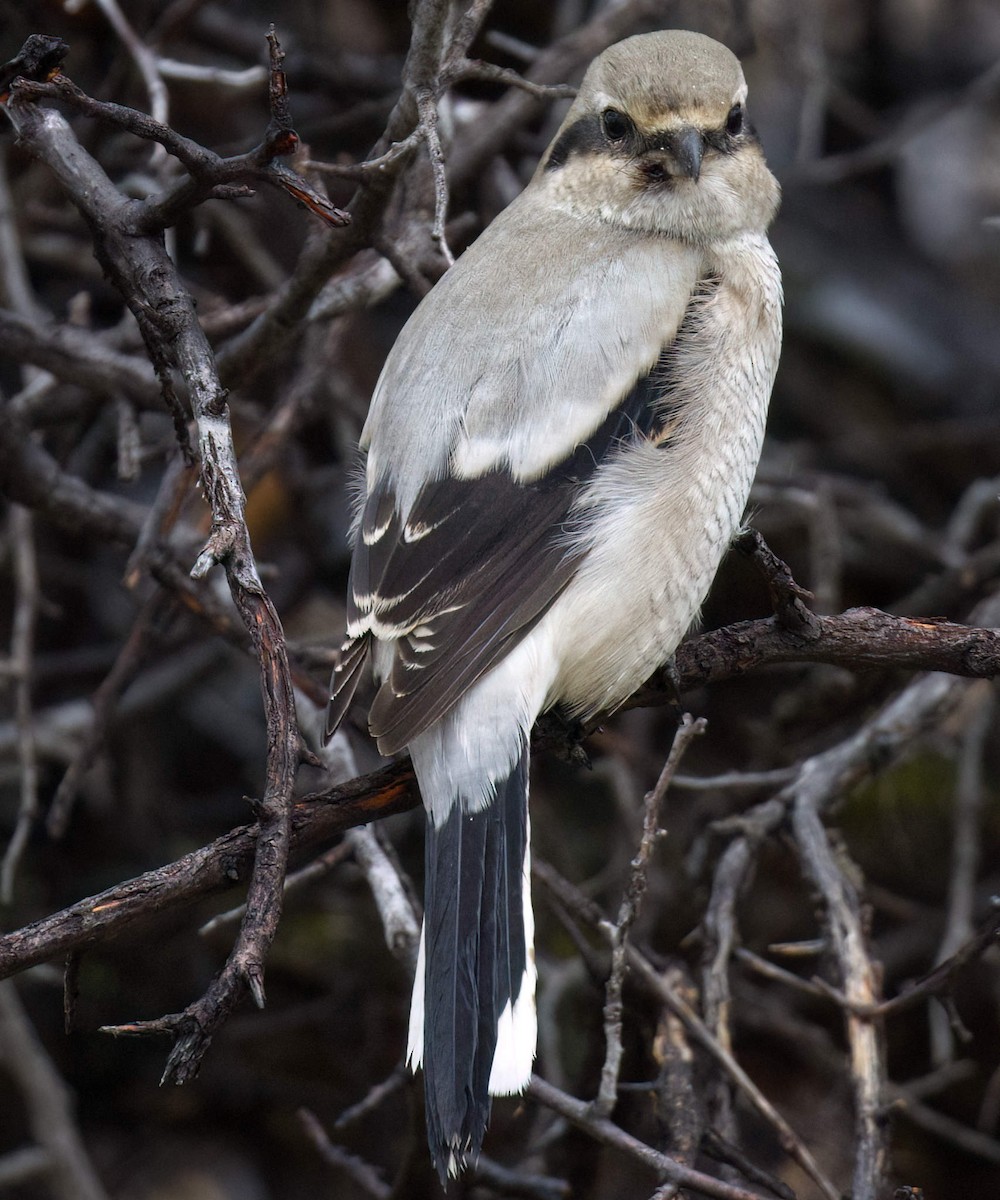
(455,571)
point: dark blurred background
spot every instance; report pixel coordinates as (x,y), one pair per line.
(878,485)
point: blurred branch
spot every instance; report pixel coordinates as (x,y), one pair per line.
(30,476)
(363,1174)
(518,1185)
(78,356)
(970,796)
(938,981)
(652,980)
(943,1127)
(103,700)
(145,60)
(47,1102)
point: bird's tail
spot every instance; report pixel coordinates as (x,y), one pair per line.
(472,1020)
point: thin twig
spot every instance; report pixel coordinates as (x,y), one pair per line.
(363,1174)
(518,1185)
(295,881)
(969,800)
(944,1127)
(373,1099)
(618,932)
(474,69)
(938,981)
(103,701)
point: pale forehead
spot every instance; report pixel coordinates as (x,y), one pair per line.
(657,73)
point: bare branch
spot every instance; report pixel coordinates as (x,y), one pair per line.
(844,923)
(215,868)
(147,279)
(31,477)
(145,60)
(364,1175)
(647,975)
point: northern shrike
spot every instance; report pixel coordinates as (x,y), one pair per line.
(559,450)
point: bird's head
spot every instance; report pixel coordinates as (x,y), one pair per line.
(658,139)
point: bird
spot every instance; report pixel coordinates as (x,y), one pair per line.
(558,451)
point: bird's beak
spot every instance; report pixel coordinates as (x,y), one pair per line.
(686,146)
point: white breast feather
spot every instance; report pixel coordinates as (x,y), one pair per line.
(663,517)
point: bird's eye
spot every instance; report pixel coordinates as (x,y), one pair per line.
(615,124)
(734,122)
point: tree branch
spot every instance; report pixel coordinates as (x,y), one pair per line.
(392,789)
(137,263)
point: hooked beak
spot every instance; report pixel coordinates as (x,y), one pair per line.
(686,147)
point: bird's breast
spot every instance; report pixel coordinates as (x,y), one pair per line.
(659,515)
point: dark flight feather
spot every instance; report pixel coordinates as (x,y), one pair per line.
(346,676)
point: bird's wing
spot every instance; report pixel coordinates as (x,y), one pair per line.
(463,541)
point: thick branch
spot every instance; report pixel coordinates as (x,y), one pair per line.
(859,639)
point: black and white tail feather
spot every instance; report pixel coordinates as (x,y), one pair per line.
(559,449)
(472,1017)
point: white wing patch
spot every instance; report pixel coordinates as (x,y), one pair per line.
(371,536)
(417,530)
